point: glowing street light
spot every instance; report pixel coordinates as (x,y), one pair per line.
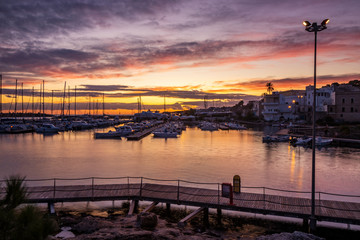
(314,27)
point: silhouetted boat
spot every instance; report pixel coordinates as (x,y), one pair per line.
(47,128)
(110,134)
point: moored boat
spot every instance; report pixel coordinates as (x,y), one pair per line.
(166,132)
(124,130)
(208,126)
(108,135)
(236,126)
(47,128)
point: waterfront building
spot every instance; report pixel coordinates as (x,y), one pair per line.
(340,102)
(324,97)
(346,105)
(283,106)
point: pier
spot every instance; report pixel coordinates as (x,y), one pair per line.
(268,201)
(141,134)
(338,142)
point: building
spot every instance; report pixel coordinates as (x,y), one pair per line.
(346,106)
(340,102)
(324,97)
(283,106)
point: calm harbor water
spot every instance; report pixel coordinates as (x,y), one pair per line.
(195,156)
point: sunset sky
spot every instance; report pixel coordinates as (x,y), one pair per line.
(226,50)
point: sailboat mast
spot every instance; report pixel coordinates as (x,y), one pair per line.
(97,107)
(63,106)
(75,100)
(140,103)
(89,105)
(164,103)
(32,101)
(40,99)
(69,100)
(15,97)
(103,104)
(43,99)
(52,101)
(22,99)
(0,94)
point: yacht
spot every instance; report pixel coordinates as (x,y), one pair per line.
(47,128)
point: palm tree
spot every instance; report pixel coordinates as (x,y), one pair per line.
(15,192)
(270,87)
(26,224)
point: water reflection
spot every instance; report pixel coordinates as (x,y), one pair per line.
(196,155)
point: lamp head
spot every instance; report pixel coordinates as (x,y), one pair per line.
(326,21)
(307,23)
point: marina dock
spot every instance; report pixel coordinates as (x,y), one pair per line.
(139,135)
(338,142)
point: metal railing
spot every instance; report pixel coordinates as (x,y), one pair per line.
(136,186)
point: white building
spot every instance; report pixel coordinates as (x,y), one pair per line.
(283,106)
(325,96)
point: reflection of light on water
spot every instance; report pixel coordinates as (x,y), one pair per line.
(293,176)
(292,166)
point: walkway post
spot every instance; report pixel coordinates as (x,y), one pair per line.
(218,193)
(92,187)
(178,192)
(128,186)
(141,187)
(54,187)
(264,196)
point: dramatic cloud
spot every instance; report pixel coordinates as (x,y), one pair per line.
(291,83)
(134,47)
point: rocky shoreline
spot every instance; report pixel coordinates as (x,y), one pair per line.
(114,224)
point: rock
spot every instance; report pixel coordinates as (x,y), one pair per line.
(147,221)
(103,235)
(138,235)
(69,220)
(65,234)
(90,224)
(65,228)
(167,233)
(213,234)
(290,236)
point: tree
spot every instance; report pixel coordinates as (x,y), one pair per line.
(27,223)
(355,83)
(270,87)
(15,192)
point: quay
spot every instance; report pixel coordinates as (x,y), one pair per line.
(139,135)
(267,201)
(338,142)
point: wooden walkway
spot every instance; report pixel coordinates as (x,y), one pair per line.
(326,210)
(139,135)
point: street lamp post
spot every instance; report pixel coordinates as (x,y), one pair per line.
(314,27)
